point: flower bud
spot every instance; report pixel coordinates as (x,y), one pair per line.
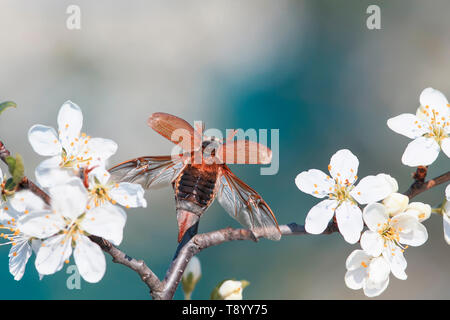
(229,290)
(191,276)
(419,210)
(396,203)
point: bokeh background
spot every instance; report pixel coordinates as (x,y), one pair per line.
(310,68)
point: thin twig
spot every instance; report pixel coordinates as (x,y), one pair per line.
(420,185)
(139,266)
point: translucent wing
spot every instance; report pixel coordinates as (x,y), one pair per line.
(244,152)
(246,206)
(175,129)
(148,171)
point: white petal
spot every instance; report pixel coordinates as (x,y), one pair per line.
(44,140)
(1,176)
(319,216)
(435,100)
(52,254)
(421,152)
(397,261)
(18,258)
(231,290)
(445,145)
(36,245)
(90,259)
(372,243)
(106,221)
(357,259)
(69,199)
(373,289)
(48,173)
(419,210)
(344,166)
(26,200)
(447,228)
(101,174)
(371,189)
(411,231)
(354,279)
(379,270)
(408,125)
(375,215)
(129,194)
(8,213)
(41,224)
(70,121)
(396,203)
(315,183)
(101,149)
(447,192)
(391,180)
(350,222)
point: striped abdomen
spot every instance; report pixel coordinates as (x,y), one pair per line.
(194,189)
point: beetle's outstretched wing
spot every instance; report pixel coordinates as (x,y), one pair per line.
(244,152)
(176,130)
(246,206)
(149,172)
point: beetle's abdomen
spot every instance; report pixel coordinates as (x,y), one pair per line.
(196,185)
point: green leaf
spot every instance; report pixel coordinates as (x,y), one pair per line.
(11,163)
(19,170)
(16,168)
(6,105)
(10,185)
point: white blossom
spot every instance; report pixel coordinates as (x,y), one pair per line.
(70,150)
(66,227)
(343,196)
(367,272)
(429,128)
(22,244)
(391,236)
(103,190)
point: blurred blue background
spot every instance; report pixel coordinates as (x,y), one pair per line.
(310,68)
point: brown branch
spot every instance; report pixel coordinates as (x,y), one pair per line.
(139,266)
(166,289)
(205,240)
(420,185)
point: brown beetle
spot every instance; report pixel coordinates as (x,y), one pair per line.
(199,174)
